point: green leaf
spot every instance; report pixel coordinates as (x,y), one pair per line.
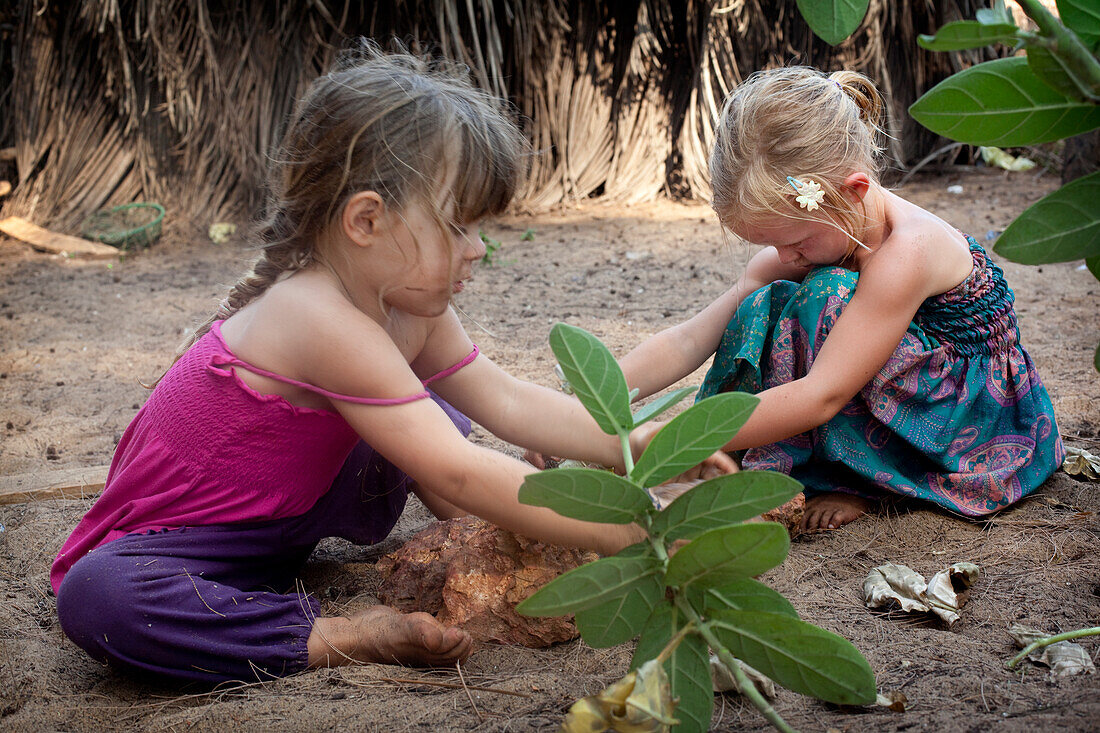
(620,619)
(688,670)
(1002,103)
(798,655)
(1057,73)
(722,501)
(743,594)
(590,585)
(638,549)
(833,20)
(688,666)
(964,34)
(659,405)
(722,555)
(663,623)
(1060,227)
(594,375)
(586,493)
(1083,18)
(1093,263)
(692,436)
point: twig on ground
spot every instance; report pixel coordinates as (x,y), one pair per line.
(458,667)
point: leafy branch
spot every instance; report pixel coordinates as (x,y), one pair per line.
(1050,94)
(703,595)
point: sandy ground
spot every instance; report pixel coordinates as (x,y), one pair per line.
(76,338)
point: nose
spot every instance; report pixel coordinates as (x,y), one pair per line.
(473,246)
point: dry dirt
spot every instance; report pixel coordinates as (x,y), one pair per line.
(77,337)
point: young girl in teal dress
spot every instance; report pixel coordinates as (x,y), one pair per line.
(881,341)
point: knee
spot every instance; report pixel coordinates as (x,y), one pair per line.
(97,603)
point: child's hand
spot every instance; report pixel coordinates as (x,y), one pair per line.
(540,461)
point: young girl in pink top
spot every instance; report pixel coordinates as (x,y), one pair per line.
(301,409)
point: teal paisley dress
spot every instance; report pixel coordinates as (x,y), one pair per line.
(957,416)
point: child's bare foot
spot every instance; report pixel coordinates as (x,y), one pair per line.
(382,634)
(829,511)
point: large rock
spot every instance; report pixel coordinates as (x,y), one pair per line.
(471,574)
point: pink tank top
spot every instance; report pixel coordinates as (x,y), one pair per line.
(208,449)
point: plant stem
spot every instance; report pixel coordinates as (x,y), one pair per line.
(675,642)
(628,455)
(1051,640)
(747,688)
(1067,45)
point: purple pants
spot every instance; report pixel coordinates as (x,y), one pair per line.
(220,603)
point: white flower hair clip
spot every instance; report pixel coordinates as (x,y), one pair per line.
(809,192)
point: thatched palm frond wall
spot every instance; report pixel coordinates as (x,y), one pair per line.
(110,101)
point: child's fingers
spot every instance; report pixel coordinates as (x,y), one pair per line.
(537,460)
(719,464)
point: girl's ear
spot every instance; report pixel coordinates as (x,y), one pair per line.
(362,218)
(856,186)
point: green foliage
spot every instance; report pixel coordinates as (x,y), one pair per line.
(698,598)
(1002,103)
(1051,94)
(1060,227)
(797,655)
(692,436)
(722,501)
(965,34)
(833,20)
(492,246)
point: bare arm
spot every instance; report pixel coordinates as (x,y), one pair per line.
(890,290)
(421,440)
(667,357)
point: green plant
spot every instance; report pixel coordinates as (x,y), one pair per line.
(706,590)
(492,246)
(1051,93)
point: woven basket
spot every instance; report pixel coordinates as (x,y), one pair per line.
(130,226)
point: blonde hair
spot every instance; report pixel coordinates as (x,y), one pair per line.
(799,122)
(394,123)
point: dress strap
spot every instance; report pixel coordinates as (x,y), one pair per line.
(234,361)
(231,359)
(452,369)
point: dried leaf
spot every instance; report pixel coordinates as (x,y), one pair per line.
(942,591)
(641,702)
(1080,462)
(894,700)
(724,681)
(1064,658)
(892,584)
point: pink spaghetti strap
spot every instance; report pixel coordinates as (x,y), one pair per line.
(232,359)
(318,390)
(452,369)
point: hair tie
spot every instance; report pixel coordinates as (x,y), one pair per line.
(809,193)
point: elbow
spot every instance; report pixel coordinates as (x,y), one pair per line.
(829,406)
(823,402)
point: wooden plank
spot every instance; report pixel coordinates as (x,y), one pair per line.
(44,239)
(66,483)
